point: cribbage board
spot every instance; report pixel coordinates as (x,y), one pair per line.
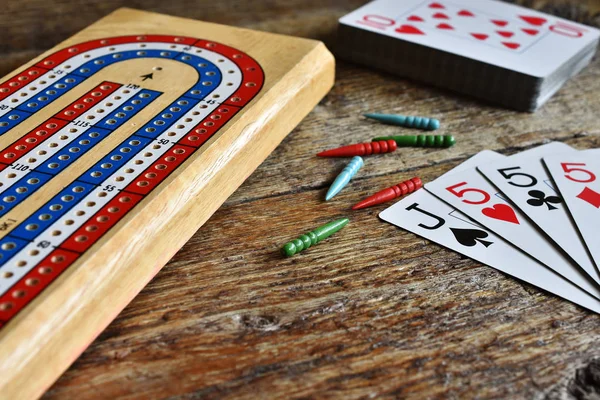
(115,147)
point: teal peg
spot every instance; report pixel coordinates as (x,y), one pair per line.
(344,177)
(311,238)
(429,124)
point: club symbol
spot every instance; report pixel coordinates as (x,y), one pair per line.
(539,198)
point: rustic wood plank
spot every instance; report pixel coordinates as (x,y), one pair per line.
(421,320)
(375,311)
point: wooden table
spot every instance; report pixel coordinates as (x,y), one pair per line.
(376,311)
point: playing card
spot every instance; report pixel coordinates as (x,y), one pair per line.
(472,24)
(494,32)
(469,192)
(427,216)
(524,180)
(577,177)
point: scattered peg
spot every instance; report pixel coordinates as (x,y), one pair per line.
(390,193)
(312,238)
(344,177)
(420,140)
(429,124)
(361,149)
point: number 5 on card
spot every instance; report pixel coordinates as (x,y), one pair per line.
(575,176)
(472,194)
(525,181)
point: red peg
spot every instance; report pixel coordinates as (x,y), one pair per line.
(361,149)
(390,193)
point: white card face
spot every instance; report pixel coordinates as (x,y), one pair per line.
(490,31)
(427,216)
(525,181)
(577,177)
(469,192)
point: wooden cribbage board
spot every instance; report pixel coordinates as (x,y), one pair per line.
(115,147)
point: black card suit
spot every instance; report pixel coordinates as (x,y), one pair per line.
(470,237)
(539,198)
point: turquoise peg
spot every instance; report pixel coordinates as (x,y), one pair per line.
(344,177)
(429,124)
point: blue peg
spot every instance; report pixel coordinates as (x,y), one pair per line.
(429,124)
(344,177)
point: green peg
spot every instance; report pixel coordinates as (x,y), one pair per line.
(312,238)
(420,140)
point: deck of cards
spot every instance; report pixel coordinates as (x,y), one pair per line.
(533,215)
(498,52)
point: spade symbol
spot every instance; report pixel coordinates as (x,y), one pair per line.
(470,237)
(538,198)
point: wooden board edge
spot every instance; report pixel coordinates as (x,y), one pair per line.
(46,356)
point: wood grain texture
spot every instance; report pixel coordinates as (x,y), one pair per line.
(374,311)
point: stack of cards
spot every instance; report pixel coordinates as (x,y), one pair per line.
(533,215)
(492,50)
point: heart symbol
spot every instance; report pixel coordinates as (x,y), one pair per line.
(531,32)
(436,5)
(415,18)
(511,45)
(466,13)
(505,34)
(440,16)
(409,29)
(499,22)
(480,36)
(501,212)
(537,21)
(445,26)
